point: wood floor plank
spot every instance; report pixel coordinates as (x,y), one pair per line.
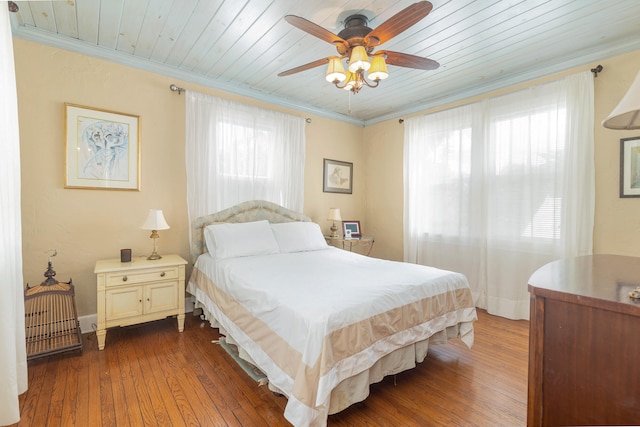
(137,382)
(151,374)
(179,412)
(29,402)
(145,381)
(107,404)
(70,401)
(94,390)
(81,415)
(54,417)
(118,387)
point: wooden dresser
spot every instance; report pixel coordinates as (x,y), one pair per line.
(584,343)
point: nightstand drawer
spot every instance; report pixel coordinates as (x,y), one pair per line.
(141,276)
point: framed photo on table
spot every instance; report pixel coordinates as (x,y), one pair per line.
(102,149)
(630,167)
(337,177)
(351,228)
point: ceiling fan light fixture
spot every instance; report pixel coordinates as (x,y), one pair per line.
(350,81)
(335,70)
(359,59)
(357,42)
(378,70)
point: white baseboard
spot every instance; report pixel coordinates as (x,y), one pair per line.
(89,323)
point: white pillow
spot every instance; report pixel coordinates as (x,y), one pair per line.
(298,236)
(209,240)
(240,239)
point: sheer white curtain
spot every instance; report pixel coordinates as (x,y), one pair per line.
(499,188)
(13,357)
(236,152)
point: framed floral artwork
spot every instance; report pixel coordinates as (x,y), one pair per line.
(102,149)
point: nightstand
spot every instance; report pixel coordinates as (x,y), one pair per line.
(350,244)
(139,291)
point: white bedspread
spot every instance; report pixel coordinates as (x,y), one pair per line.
(311,319)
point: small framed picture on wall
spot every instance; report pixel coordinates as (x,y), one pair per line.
(337,177)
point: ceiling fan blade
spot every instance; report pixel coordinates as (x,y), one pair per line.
(314,29)
(304,67)
(408,61)
(398,23)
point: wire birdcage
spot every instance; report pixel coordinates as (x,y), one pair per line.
(51,319)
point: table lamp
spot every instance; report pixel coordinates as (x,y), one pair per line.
(155,221)
(334,215)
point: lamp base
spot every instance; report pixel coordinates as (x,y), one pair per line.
(154,254)
(334,231)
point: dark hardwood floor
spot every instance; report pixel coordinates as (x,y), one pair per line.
(151,375)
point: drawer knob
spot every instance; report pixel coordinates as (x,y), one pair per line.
(125,278)
(162,274)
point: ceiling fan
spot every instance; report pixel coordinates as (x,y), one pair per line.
(356,42)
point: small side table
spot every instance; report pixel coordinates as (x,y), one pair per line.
(349,244)
(139,291)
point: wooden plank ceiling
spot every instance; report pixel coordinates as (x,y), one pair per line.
(241,45)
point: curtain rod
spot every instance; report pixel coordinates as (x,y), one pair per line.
(596,70)
(175,88)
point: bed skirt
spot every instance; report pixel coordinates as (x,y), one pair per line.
(356,388)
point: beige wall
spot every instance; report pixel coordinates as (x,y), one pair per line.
(87,225)
(617,222)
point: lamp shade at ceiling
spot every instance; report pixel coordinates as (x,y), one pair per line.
(627,114)
(359,59)
(378,70)
(335,70)
(155,221)
(334,214)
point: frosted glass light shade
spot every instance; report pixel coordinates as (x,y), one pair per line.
(334,214)
(359,59)
(335,70)
(627,114)
(378,70)
(155,221)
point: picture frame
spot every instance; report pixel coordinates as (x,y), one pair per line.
(352,227)
(337,177)
(102,149)
(630,167)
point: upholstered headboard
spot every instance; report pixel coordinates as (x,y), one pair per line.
(254,210)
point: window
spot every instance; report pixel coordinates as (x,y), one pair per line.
(498,188)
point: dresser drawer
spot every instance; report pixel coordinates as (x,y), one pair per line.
(141,276)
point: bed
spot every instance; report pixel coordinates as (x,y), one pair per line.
(322,323)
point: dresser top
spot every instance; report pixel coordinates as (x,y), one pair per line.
(603,280)
(107,265)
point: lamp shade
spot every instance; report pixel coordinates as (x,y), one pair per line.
(334,214)
(335,70)
(378,70)
(351,81)
(627,114)
(359,59)
(155,221)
